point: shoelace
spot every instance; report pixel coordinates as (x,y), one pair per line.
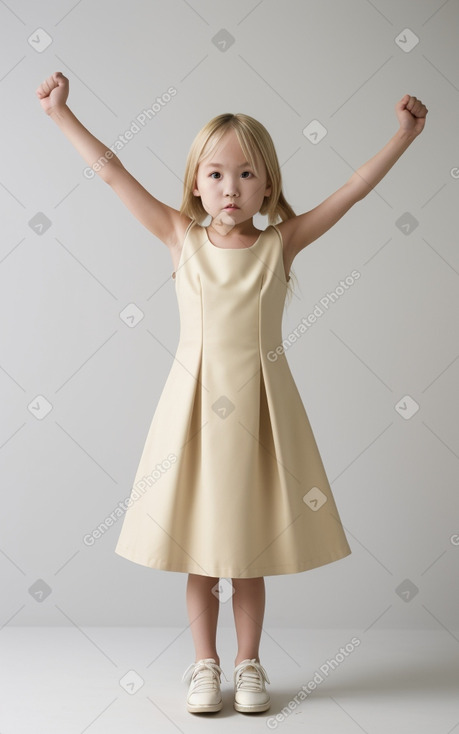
(202,681)
(250,680)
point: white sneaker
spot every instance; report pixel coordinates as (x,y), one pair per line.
(250,694)
(204,694)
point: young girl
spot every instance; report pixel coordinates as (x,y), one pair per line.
(230,483)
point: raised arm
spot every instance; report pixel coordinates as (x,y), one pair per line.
(303,229)
(411,115)
(162,220)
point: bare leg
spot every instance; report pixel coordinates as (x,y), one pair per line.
(248,609)
(203,608)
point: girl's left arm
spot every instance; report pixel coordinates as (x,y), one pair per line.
(300,231)
(411,114)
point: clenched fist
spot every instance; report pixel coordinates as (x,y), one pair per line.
(53,92)
(411,114)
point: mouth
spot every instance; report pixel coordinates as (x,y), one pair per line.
(231,206)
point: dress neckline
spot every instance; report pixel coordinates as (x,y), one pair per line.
(233,249)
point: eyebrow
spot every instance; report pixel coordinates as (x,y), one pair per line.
(220,165)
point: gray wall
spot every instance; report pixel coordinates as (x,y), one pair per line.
(393,333)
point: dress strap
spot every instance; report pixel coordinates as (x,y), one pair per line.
(281,241)
(193,221)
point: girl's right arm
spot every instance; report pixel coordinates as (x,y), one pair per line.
(166,223)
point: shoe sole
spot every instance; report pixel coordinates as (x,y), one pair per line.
(245,709)
(202,709)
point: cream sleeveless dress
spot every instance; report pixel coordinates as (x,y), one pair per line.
(230,481)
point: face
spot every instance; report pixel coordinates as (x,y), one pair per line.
(233,180)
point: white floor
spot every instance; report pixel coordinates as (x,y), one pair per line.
(66,680)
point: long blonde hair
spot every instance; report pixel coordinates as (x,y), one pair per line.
(253,138)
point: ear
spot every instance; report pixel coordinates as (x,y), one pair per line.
(268,189)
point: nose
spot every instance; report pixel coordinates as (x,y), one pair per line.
(231,189)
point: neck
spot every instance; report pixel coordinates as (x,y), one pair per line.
(223,226)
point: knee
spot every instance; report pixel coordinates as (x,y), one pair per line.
(253,580)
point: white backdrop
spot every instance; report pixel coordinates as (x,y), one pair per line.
(378,370)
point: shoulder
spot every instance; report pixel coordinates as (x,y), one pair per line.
(181,224)
(285,230)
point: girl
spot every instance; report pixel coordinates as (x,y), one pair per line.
(230,483)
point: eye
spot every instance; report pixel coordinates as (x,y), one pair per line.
(211,175)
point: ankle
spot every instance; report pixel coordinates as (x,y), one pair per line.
(240,658)
(210,655)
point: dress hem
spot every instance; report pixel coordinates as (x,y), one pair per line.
(230,573)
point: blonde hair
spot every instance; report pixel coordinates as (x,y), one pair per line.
(254,139)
